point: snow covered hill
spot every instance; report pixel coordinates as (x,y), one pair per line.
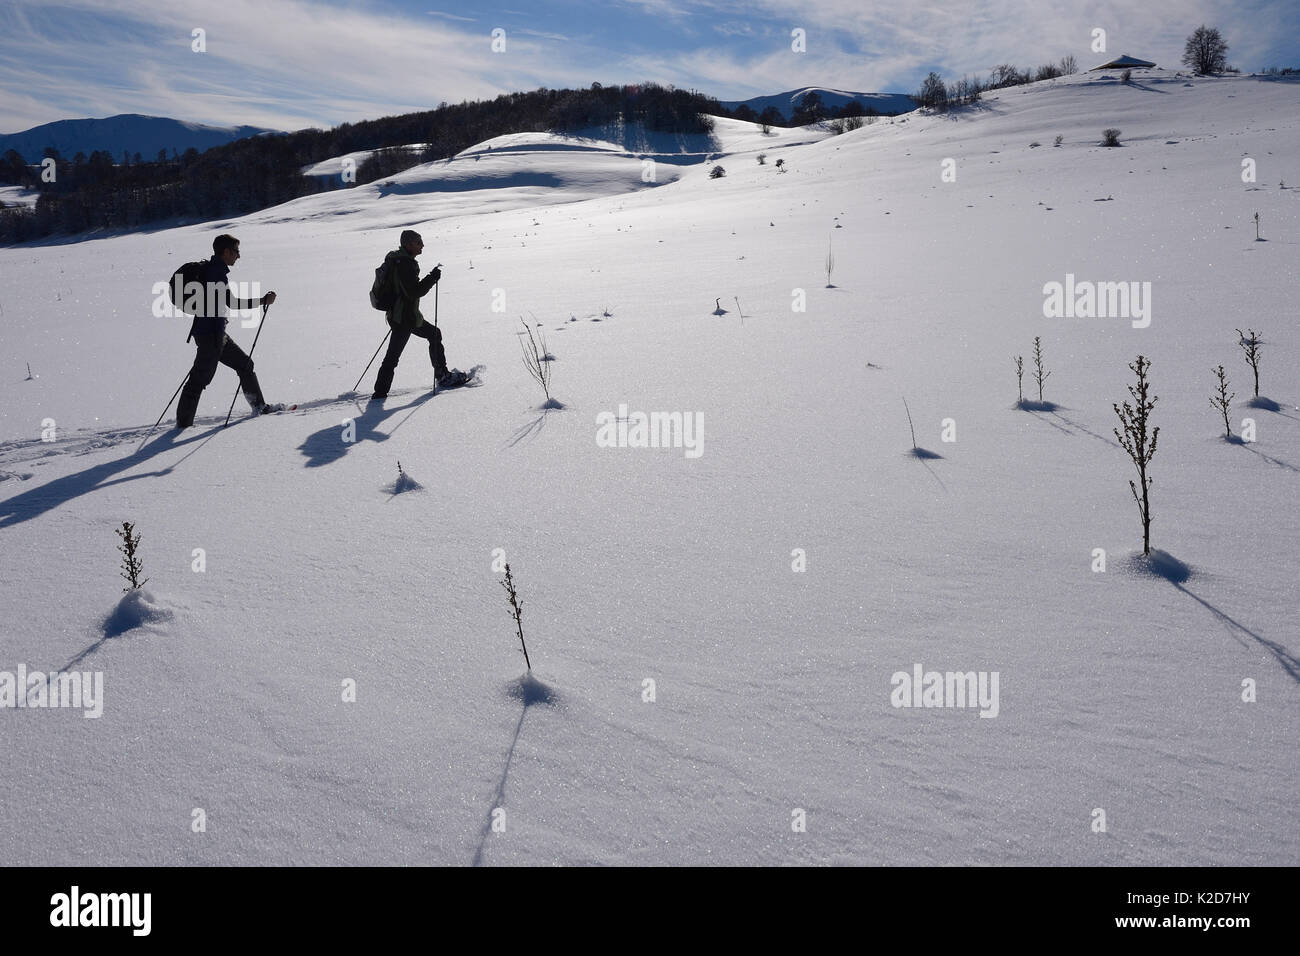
(885,104)
(724,633)
(126,132)
(17,196)
(528,169)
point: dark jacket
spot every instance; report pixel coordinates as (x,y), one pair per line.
(210,314)
(404,272)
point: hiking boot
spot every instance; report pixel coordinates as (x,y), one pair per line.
(267,408)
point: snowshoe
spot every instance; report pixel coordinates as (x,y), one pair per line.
(453,378)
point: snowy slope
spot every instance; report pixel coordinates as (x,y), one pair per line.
(334,166)
(17,196)
(530,169)
(1118,690)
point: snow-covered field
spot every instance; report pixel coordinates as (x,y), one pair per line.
(17,196)
(772,695)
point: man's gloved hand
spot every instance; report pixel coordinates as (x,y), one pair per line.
(436,273)
(268,298)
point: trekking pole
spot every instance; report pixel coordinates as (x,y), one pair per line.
(260,323)
(373,357)
(435,297)
(164,411)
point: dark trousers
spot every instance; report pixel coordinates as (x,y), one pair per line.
(213,348)
(394,354)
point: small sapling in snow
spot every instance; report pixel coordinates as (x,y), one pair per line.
(830,263)
(1251,347)
(132,566)
(1020,379)
(717,172)
(917,451)
(536,361)
(1139,440)
(404,482)
(517,612)
(1223,401)
(1040,374)
(1110,137)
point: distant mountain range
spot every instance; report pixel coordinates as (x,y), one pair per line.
(127,132)
(883,103)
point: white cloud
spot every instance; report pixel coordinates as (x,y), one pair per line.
(290,63)
(281,63)
(450,16)
(541,35)
(887,46)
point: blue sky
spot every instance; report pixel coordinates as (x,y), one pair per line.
(292,63)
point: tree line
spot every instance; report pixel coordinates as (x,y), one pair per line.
(936,95)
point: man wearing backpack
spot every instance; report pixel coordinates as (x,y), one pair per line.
(208,331)
(406,288)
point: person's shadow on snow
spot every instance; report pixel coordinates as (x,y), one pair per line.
(36,501)
(329,444)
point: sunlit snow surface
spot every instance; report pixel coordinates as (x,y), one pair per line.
(690,691)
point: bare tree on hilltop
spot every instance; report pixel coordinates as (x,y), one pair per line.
(1206,51)
(933,94)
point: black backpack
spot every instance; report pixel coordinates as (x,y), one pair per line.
(383,291)
(186,287)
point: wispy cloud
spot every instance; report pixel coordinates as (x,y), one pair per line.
(877,46)
(542,35)
(974,35)
(668,8)
(291,63)
(344,64)
(450,16)
(741,28)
